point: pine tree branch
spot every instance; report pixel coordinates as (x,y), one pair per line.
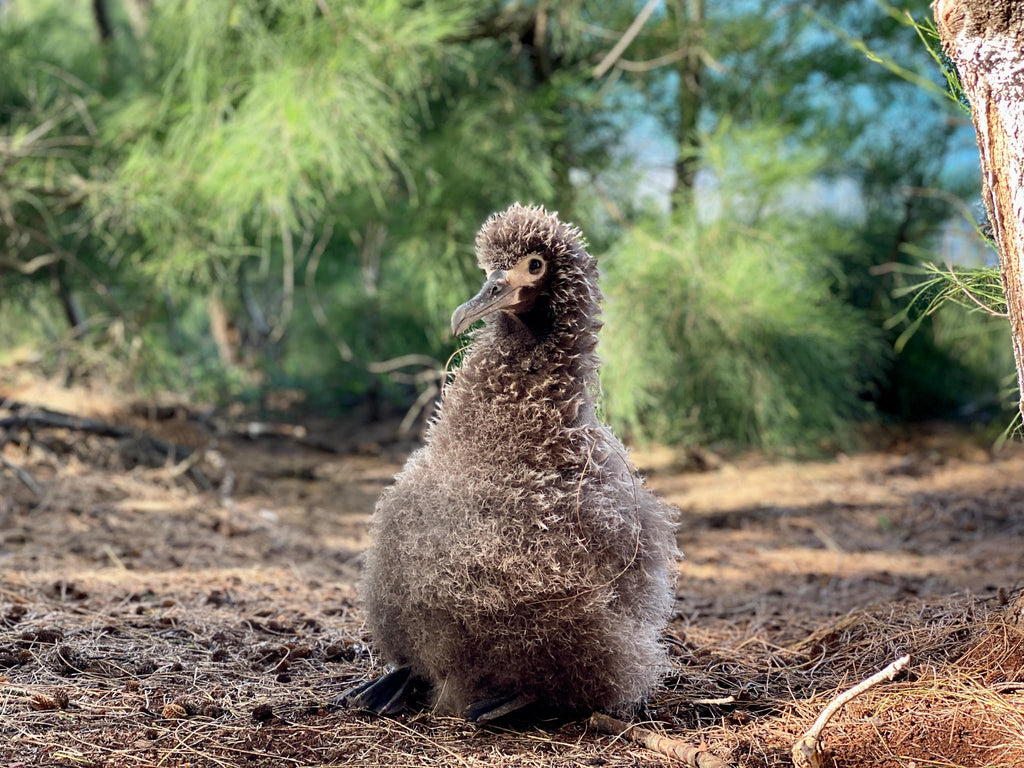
(627,37)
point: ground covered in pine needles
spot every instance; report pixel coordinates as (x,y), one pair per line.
(202,610)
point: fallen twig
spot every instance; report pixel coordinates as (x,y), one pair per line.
(45,417)
(663,745)
(807,750)
(26,479)
(143,447)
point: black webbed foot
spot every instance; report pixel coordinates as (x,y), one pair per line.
(489,710)
(385,695)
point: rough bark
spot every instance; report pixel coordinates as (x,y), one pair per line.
(985,40)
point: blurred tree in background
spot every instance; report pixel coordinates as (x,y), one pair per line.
(831,164)
(226,198)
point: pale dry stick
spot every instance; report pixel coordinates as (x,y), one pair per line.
(432,375)
(631,32)
(663,745)
(714,702)
(807,750)
(416,409)
(14,597)
(187,464)
(112,555)
(403,361)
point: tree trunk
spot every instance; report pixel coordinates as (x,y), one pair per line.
(985,40)
(68,301)
(689,23)
(102,17)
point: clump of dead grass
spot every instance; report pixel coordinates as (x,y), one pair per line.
(959,703)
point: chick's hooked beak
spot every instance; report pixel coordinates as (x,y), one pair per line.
(497,293)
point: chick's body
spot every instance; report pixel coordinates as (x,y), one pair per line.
(517,556)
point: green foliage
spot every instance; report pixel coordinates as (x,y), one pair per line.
(319,169)
(739,341)
(738,336)
(954,365)
(974,289)
(245,138)
(926,33)
(953,342)
(256,118)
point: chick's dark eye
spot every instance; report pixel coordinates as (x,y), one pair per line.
(536,265)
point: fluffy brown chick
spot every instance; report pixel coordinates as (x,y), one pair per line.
(517,558)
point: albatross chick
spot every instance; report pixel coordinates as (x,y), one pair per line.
(517,559)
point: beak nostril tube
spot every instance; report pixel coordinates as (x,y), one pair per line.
(497,293)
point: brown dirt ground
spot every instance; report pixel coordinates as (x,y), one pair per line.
(152,616)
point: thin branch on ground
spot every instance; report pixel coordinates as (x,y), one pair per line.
(807,750)
(663,745)
(143,446)
(58,420)
(26,479)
